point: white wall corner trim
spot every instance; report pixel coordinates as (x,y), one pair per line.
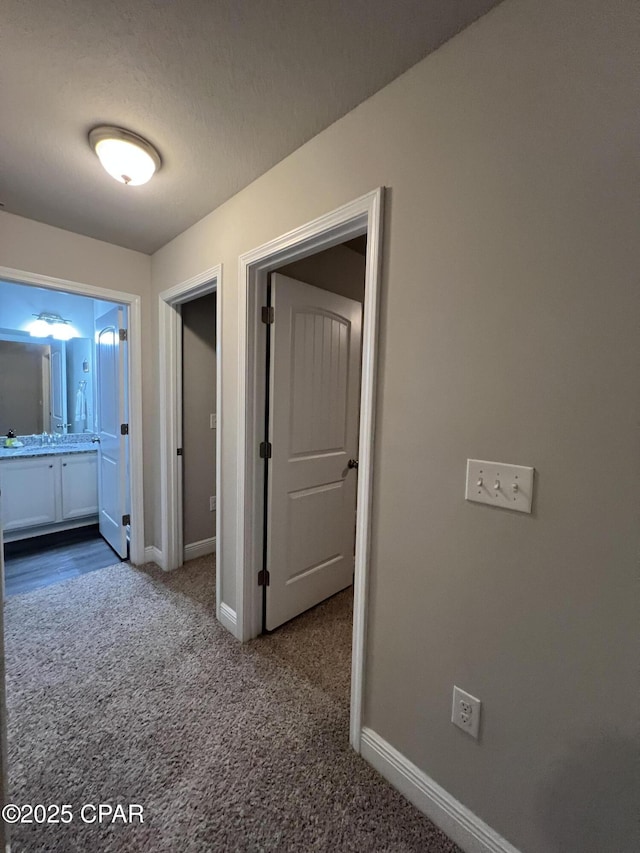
(153,555)
(228,617)
(457,821)
(200,548)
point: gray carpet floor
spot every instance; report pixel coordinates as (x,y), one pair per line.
(123,688)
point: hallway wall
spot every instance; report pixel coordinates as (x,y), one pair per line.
(509,331)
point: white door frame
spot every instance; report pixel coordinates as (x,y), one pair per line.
(4,784)
(134,402)
(364,215)
(171,555)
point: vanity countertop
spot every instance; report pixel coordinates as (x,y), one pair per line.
(63,449)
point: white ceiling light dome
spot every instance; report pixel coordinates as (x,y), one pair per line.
(126,156)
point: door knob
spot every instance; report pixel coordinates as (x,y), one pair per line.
(353,463)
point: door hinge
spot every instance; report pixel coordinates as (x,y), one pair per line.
(265,450)
(126,519)
(124,429)
(263,578)
(122,334)
(268,313)
(179,451)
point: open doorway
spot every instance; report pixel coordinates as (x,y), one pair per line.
(64,410)
(66,485)
(199,426)
(362,217)
(313,365)
(190,326)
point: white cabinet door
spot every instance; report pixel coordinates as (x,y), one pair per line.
(30,492)
(79,485)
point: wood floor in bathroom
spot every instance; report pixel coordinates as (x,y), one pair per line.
(30,564)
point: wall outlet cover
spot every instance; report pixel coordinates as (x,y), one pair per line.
(465,712)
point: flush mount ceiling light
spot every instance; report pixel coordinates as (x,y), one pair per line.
(126,156)
(48,325)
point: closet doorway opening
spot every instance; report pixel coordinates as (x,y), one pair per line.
(254,504)
(190,394)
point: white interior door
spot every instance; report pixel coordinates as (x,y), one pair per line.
(112,468)
(179,537)
(313,430)
(58,366)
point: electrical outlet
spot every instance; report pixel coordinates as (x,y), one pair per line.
(212,503)
(213,421)
(465,712)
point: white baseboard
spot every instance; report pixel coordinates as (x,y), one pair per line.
(455,820)
(196,549)
(200,549)
(153,555)
(228,617)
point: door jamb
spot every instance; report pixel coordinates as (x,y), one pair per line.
(364,215)
(134,402)
(4,776)
(169,302)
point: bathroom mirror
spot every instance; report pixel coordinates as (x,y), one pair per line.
(45,385)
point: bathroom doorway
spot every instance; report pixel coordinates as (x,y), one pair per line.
(59,488)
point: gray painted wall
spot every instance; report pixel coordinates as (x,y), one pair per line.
(199,401)
(509,326)
(339,270)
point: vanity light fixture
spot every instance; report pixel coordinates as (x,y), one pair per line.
(126,156)
(47,325)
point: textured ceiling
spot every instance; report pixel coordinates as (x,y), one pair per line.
(224,89)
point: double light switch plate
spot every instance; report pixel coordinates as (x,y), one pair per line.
(499,484)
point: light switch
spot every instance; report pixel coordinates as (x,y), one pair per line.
(499,484)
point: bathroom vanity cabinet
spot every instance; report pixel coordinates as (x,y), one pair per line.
(48,493)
